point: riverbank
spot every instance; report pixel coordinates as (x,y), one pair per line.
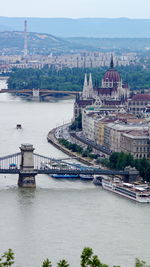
(53,137)
(62,132)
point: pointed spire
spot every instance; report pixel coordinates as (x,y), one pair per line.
(85,80)
(111,62)
(90,81)
(85,87)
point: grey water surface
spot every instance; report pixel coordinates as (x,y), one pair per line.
(59,218)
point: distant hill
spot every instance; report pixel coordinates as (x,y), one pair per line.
(12,42)
(5,28)
(37,42)
(110,44)
(84,27)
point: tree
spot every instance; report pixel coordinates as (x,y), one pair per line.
(89,148)
(7,258)
(63,263)
(114,159)
(139,263)
(143,167)
(95,262)
(47,263)
(86,257)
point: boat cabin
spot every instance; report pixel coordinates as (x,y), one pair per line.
(18,126)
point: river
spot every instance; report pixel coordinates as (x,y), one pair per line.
(59,218)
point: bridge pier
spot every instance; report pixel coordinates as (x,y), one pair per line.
(27,172)
(132,175)
(35,94)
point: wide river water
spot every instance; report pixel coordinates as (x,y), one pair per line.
(59,218)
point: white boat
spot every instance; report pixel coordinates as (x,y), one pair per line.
(139,193)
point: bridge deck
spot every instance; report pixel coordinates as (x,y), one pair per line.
(46,91)
(67,171)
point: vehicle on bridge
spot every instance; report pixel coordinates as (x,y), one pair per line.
(12,166)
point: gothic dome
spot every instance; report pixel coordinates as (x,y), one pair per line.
(112,75)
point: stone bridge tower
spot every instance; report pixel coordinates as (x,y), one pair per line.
(27,172)
(36,94)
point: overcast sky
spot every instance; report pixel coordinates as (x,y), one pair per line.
(76,8)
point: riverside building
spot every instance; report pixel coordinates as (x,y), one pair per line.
(132,137)
(119,132)
(136,142)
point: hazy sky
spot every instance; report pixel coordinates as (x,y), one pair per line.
(76,8)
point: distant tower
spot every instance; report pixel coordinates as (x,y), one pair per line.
(25,40)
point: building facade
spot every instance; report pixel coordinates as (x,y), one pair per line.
(138,103)
(137,143)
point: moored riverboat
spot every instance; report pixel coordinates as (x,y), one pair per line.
(65,176)
(139,193)
(86,177)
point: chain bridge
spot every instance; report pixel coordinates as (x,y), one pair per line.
(28,164)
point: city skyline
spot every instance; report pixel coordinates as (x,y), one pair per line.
(76,9)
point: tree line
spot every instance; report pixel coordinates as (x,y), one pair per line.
(87,259)
(77,148)
(120,160)
(72,79)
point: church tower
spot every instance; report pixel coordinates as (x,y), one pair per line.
(87,88)
(90,87)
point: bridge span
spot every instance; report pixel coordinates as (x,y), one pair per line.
(28,164)
(38,93)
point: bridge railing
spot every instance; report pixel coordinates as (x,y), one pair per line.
(10,161)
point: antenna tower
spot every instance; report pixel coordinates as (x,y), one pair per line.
(25,40)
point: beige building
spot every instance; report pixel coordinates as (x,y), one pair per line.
(136,142)
(113,132)
(119,132)
(95,118)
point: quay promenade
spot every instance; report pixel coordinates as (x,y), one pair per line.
(52,138)
(63,132)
